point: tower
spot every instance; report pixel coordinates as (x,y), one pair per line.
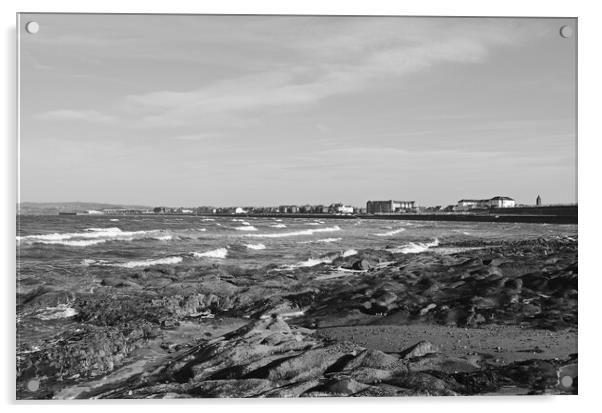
(538,201)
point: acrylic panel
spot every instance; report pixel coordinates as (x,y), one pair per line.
(296,206)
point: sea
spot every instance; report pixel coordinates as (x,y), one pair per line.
(67,253)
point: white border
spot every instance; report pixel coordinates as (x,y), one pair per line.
(590,39)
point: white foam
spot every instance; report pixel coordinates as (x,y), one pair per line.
(414,247)
(218,253)
(54,313)
(163,237)
(390,233)
(349,253)
(296,233)
(321,241)
(89,236)
(311,262)
(246,228)
(278,226)
(114,220)
(149,263)
(207,219)
(256,246)
(75,243)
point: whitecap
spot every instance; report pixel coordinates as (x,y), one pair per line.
(321,241)
(256,246)
(54,313)
(246,228)
(278,226)
(295,233)
(414,247)
(88,236)
(114,220)
(390,233)
(218,253)
(76,243)
(310,262)
(149,263)
(349,253)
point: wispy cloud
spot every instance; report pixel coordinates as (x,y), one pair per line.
(349,55)
(75,115)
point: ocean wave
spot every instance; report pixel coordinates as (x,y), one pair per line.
(149,262)
(89,236)
(295,233)
(321,241)
(390,233)
(255,246)
(349,253)
(54,313)
(310,262)
(218,253)
(414,247)
(76,243)
(207,219)
(134,264)
(163,237)
(246,228)
(278,226)
(114,220)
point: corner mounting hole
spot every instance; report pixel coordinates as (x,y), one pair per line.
(566,31)
(32,27)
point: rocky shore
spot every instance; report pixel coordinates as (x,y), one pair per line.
(461,319)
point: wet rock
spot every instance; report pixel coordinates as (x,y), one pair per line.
(419,349)
(363,265)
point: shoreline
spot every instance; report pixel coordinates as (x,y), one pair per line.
(501,218)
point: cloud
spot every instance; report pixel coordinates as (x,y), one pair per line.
(315,59)
(196,136)
(76,115)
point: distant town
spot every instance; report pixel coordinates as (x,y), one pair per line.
(388,207)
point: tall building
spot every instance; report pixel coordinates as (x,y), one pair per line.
(388,207)
(538,201)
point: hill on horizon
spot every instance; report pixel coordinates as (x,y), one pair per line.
(53,208)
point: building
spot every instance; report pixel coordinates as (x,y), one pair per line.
(344,209)
(501,202)
(389,207)
(495,202)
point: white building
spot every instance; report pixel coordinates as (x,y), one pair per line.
(239,210)
(495,202)
(345,209)
(502,202)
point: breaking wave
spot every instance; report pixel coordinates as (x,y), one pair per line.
(296,233)
(218,253)
(54,313)
(278,226)
(321,241)
(246,228)
(349,253)
(390,233)
(414,247)
(149,263)
(255,246)
(91,236)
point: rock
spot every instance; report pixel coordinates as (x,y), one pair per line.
(362,265)
(345,386)
(428,308)
(385,299)
(419,349)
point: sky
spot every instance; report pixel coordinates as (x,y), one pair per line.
(269,110)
